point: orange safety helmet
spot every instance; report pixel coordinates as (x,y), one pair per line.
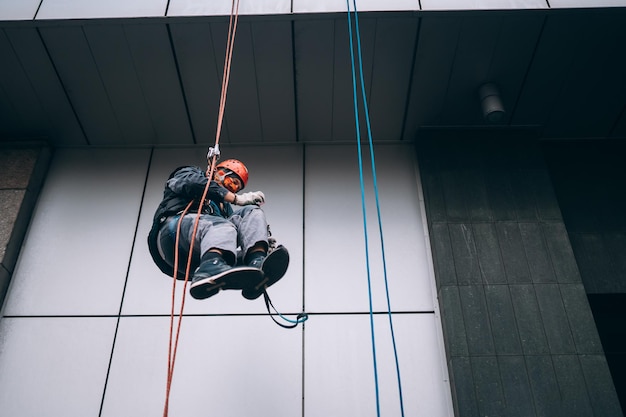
(236,167)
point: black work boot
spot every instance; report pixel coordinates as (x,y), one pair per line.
(255,260)
(214,274)
(274,267)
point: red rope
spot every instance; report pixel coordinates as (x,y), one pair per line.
(173,342)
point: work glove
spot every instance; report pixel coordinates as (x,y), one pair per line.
(253,197)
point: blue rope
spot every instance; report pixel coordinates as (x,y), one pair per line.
(375,183)
(358,140)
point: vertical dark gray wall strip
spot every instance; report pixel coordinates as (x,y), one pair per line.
(520,338)
(23,169)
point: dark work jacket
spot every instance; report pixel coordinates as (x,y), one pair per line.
(185,184)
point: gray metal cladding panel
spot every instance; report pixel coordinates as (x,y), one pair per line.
(524,194)
(515,386)
(433,194)
(323,52)
(454,195)
(443,256)
(466,403)
(8,117)
(343,121)
(545,75)
(488,385)
(60,121)
(476,194)
(544,385)
(272,42)
(601,391)
(579,314)
(539,261)
(73,60)
(464,254)
(561,252)
(597,276)
(503,321)
(22,111)
(572,385)
(453,322)
(488,251)
(554,319)
(479,53)
(545,198)
(437,40)
(242,94)
(158,76)
(112,55)
(201,77)
(476,318)
(391,79)
(562,80)
(454,110)
(314,46)
(500,194)
(528,315)
(513,253)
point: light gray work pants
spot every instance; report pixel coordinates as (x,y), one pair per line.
(233,236)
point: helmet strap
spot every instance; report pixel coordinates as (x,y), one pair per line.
(220,175)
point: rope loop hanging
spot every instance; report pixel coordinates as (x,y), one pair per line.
(357,36)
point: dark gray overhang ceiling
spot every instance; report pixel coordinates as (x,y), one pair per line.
(156,81)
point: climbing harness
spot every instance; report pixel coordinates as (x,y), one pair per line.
(212,157)
(364,210)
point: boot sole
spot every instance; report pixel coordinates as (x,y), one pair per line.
(274,267)
(233,279)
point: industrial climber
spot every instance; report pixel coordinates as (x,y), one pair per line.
(232,248)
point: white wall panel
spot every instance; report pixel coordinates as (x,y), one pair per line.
(233,361)
(18,9)
(339,367)
(77,250)
(224,7)
(322,6)
(335,268)
(54,366)
(80,9)
(483,4)
(277,171)
(225,366)
(556,4)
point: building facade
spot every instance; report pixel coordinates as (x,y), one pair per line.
(491,283)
